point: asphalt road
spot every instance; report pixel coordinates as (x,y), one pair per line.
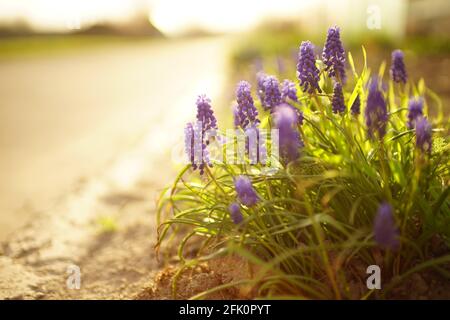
(65,117)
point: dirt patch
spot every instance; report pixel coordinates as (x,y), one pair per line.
(195,280)
(189,282)
(428,285)
(107,232)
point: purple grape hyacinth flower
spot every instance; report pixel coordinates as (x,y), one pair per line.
(299,116)
(236,118)
(356,106)
(272,94)
(415,110)
(333,55)
(245,191)
(195,147)
(376,111)
(198,134)
(246,108)
(189,143)
(337,103)
(398,69)
(235,213)
(260,77)
(205,114)
(385,231)
(423,135)
(288,91)
(286,121)
(307,72)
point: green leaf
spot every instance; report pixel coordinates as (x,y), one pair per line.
(421,87)
(357,90)
(441,199)
(352,64)
(365,57)
(381,70)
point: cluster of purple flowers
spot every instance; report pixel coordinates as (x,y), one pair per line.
(205,114)
(289,95)
(398,69)
(286,121)
(260,77)
(307,72)
(189,145)
(245,191)
(384,229)
(247,196)
(272,94)
(197,135)
(415,111)
(235,213)
(376,111)
(245,113)
(423,135)
(333,55)
(288,91)
(337,103)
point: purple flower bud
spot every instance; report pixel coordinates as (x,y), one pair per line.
(337,103)
(260,77)
(235,213)
(385,231)
(246,194)
(398,70)
(423,135)
(246,109)
(286,121)
(288,91)
(206,122)
(272,94)
(307,72)
(333,55)
(376,111)
(356,106)
(415,110)
(205,114)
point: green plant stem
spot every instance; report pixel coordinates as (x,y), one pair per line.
(325,258)
(215,181)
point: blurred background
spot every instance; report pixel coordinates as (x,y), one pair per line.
(83,81)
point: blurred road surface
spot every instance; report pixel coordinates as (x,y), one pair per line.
(64,118)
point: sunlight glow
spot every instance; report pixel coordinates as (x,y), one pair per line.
(174,16)
(54,15)
(170,16)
